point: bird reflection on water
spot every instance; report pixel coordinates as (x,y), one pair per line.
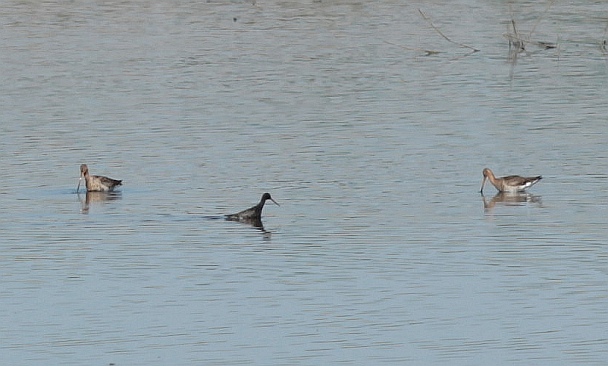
(510,199)
(96,197)
(257,224)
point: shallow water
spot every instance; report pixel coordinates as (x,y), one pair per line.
(382,251)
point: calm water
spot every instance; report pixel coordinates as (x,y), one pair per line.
(382,251)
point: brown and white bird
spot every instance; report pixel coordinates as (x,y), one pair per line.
(97,183)
(509,184)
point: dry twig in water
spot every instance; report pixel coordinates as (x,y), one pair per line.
(443,35)
(518,41)
(540,17)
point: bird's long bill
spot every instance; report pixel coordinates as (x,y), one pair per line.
(275,202)
(483,182)
(78,188)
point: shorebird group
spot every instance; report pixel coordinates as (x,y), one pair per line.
(99,183)
(508,184)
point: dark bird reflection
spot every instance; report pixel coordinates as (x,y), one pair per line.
(96,197)
(256,223)
(510,199)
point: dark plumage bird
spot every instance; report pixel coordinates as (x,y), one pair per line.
(97,183)
(509,184)
(252,214)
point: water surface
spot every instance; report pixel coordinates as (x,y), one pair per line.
(382,251)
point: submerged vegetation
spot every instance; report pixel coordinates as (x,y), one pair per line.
(519,41)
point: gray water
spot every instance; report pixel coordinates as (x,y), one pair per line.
(382,251)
